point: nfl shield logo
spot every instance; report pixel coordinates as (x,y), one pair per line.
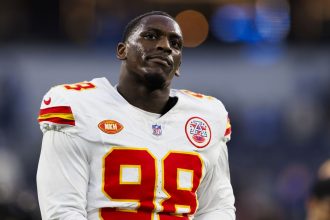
(156,130)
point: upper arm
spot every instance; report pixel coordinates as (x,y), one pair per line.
(63,169)
(62,177)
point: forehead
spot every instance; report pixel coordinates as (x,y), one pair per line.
(159,22)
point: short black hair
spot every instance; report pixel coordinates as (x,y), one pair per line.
(135,21)
(321,189)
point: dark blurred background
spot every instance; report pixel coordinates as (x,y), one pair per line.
(267,60)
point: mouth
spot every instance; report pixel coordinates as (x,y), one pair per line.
(163,60)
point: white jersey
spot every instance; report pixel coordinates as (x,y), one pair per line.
(103,158)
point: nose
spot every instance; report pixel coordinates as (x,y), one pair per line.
(164,44)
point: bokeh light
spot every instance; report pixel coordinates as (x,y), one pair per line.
(272,19)
(194,27)
(230,23)
(266,21)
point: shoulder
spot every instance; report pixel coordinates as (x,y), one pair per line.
(71,94)
(61,103)
(78,88)
(84,88)
(199,100)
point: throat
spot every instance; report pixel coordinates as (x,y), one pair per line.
(156,106)
(158,102)
(169,104)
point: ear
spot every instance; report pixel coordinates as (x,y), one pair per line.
(121,51)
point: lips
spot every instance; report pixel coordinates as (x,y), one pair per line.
(163,60)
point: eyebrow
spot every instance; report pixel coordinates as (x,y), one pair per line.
(158,31)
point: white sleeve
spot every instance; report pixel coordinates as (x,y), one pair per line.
(215,195)
(62,178)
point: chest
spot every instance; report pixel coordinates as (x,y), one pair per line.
(186,130)
(130,151)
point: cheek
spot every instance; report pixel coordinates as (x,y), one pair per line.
(138,52)
(134,54)
(177,61)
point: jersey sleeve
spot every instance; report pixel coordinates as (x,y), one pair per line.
(62,177)
(56,112)
(215,195)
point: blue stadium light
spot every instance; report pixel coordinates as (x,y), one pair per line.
(267,21)
(230,23)
(272,20)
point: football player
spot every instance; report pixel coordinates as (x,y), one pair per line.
(138,150)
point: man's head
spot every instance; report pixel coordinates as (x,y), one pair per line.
(318,206)
(130,27)
(151,49)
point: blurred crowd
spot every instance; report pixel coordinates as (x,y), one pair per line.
(18,199)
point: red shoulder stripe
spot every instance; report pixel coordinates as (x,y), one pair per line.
(56,109)
(58,115)
(228,131)
(58,121)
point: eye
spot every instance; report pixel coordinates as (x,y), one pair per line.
(150,36)
(176,43)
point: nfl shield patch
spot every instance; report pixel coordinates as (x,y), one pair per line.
(156,130)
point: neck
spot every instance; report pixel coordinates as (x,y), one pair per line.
(140,96)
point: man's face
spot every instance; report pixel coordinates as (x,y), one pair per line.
(153,50)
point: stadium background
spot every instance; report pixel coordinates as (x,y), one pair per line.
(267,60)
